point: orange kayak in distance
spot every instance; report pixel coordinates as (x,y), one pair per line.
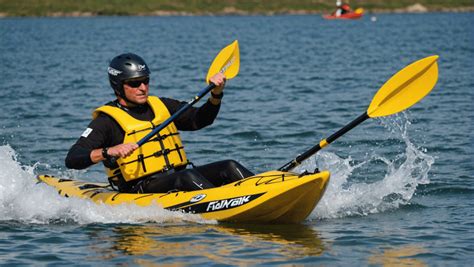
(357,14)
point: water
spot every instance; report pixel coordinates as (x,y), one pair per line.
(401,190)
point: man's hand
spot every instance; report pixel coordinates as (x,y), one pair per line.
(219,80)
(122,150)
(118,151)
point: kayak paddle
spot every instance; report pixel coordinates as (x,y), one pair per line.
(401,91)
(226,62)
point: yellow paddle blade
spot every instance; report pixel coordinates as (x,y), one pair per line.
(226,62)
(405,88)
(359,10)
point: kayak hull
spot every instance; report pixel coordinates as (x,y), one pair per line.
(351,15)
(270,197)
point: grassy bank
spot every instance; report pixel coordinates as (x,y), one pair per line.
(202,7)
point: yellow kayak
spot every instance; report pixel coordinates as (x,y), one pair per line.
(270,197)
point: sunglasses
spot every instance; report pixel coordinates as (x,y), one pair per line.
(137,83)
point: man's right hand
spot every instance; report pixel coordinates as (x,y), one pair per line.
(118,151)
(122,150)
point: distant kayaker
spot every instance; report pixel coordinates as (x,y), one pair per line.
(160,165)
(342,8)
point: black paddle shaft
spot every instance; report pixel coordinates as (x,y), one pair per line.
(177,114)
(297,161)
(173,117)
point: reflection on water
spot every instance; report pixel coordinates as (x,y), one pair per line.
(403,256)
(245,244)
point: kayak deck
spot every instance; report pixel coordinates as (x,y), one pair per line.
(270,197)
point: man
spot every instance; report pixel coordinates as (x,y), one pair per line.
(159,165)
(342,8)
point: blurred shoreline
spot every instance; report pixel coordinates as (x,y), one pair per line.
(232,11)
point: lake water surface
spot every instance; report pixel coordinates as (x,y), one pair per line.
(401,190)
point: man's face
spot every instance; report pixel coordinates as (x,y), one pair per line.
(136,90)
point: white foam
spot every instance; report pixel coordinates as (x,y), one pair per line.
(23,200)
(351,197)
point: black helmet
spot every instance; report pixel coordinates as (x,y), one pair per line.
(123,67)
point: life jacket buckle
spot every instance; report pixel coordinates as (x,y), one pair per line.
(141,159)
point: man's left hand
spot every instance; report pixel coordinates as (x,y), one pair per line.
(219,80)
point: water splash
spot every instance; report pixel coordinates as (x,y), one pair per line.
(346,196)
(21,199)
(25,201)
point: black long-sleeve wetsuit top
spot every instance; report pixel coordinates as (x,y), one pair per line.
(104,131)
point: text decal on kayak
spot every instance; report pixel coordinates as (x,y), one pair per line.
(216,205)
(227,203)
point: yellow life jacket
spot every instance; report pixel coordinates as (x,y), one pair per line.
(162,152)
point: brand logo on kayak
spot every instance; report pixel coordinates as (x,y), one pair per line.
(113,71)
(197,198)
(227,203)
